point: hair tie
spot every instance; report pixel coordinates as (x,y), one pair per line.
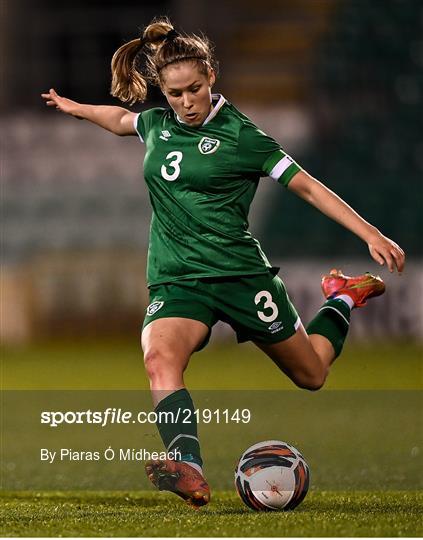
(172,34)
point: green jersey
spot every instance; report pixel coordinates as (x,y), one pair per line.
(201,182)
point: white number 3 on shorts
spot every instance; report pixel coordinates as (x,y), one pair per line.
(269,304)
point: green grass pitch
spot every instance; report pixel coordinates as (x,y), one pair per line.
(362,436)
(104,514)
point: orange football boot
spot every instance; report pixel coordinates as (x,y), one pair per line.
(359,288)
(180,478)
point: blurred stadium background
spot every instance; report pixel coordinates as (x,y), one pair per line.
(338,82)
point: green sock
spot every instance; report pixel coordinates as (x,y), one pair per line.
(332,321)
(179,432)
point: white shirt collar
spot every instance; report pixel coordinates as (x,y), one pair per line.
(220,102)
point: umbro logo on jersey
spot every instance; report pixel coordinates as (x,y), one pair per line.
(165,135)
(276,327)
(154,307)
(208,146)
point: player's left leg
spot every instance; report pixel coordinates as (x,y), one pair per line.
(306,356)
(304,359)
(259,310)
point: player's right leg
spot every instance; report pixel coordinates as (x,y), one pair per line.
(177,323)
(168,344)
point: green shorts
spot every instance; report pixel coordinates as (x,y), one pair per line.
(256,307)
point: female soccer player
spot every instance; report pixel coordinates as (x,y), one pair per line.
(202,166)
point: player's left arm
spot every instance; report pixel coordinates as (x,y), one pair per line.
(382,249)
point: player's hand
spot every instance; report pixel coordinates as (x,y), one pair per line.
(383,250)
(61,103)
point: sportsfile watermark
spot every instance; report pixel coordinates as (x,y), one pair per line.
(101,440)
(113,415)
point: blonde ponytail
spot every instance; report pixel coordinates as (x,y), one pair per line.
(128,84)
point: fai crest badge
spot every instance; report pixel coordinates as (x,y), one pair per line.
(153,307)
(208,146)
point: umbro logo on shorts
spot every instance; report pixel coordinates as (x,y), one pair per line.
(276,327)
(208,146)
(154,307)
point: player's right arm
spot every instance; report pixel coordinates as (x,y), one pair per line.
(118,120)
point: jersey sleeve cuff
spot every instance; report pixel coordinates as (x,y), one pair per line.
(137,121)
(281,167)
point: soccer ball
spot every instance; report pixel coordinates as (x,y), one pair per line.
(272,475)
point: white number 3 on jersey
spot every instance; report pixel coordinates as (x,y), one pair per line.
(174,164)
(269,304)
